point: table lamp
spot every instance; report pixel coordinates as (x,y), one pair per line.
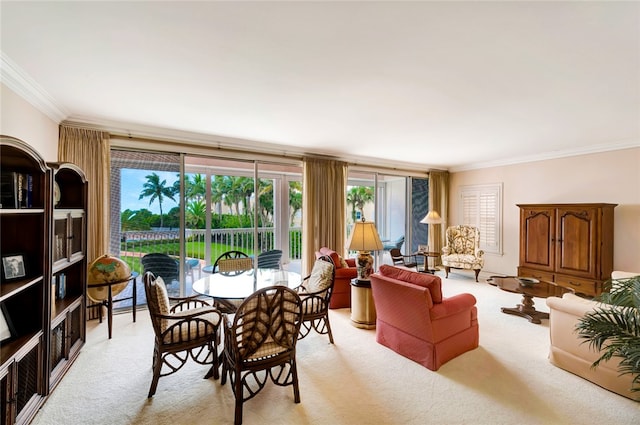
(432,217)
(364,238)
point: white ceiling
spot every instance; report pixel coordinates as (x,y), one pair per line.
(440,84)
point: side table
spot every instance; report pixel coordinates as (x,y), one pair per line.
(363,309)
(109,301)
(427,255)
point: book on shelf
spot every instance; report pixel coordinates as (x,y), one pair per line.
(61,286)
(16,190)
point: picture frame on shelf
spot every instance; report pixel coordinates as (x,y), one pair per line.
(13,266)
(6,326)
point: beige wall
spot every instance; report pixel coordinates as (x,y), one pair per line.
(23,121)
(612,177)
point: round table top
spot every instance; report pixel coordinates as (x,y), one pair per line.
(240,286)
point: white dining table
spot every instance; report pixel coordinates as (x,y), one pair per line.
(240,285)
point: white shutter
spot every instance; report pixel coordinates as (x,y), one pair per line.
(470,208)
(480,207)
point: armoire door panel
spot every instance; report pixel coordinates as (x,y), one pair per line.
(537,239)
(576,251)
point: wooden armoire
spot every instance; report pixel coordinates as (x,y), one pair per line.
(569,244)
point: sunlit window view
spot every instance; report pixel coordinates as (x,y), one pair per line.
(224,211)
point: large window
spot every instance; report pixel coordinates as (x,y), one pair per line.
(193,208)
(397,205)
(481,206)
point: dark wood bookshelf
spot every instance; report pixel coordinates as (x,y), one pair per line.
(44,333)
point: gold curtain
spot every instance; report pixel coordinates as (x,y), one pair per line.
(89,150)
(324,208)
(438,201)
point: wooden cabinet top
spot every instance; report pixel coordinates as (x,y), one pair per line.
(582,205)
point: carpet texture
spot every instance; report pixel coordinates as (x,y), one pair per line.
(507,380)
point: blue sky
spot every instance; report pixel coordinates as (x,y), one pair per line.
(132,182)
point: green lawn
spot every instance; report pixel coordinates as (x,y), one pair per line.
(193,249)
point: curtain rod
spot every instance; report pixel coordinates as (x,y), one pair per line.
(203,145)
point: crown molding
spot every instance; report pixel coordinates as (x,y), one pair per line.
(27,88)
(545,156)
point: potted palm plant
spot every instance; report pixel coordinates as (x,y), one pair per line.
(613,328)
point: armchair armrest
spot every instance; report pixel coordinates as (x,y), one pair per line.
(186,303)
(479,252)
(452,306)
(446,250)
(188,324)
(346,273)
(572,304)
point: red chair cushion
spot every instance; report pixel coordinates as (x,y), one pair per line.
(334,256)
(429,281)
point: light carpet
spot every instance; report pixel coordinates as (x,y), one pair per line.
(507,380)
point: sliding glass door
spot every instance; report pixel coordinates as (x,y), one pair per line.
(194,208)
(395,203)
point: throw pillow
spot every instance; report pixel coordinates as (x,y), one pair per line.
(343,263)
(321,277)
(431,282)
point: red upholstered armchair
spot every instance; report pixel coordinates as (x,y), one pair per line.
(414,320)
(341,297)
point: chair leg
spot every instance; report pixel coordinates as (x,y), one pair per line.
(477,273)
(446,271)
(296,389)
(157,367)
(239,399)
(326,320)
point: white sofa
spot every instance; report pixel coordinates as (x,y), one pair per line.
(574,354)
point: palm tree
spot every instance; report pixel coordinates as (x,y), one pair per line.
(217,193)
(358,197)
(156,189)
(295,199)
(265,195)
(195,189)
(614,328)
(195,214)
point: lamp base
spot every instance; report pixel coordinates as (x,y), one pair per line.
(364,262)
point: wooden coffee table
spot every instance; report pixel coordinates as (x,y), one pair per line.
(529,288)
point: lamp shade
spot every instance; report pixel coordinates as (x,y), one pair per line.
(432,217)
(364,237)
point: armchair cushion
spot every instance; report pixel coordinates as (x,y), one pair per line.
(159,292)
(431,282)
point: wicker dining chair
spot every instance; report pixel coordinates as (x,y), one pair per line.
(231,263)
(270,259)
(315,293)
(260,342)
(188,328)
(161,265)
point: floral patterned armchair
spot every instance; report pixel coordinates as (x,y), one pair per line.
(462,249)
